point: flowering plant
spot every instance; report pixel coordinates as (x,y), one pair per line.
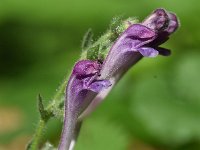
(102,65)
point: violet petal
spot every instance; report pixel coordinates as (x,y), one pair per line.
(163,51)
(148,52)
(98,86)
(173,23)
(139,31)
(157,20)
(86,67)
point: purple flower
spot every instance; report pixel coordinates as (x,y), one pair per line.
(137,41)
(83,84)
(140,39)
(82,87)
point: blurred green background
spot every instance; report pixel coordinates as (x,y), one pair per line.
(156,106)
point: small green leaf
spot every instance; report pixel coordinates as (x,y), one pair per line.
(87,39)
(43,113)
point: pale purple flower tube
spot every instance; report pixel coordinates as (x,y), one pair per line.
(82,87)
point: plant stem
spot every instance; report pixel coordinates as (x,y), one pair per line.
(38,134)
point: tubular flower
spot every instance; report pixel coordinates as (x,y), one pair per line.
(141,39)
(82,87)
(82,84)
(137,41)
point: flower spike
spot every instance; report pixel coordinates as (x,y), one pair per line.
(91,81)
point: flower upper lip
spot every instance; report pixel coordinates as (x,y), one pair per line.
(86,68)
(162,21)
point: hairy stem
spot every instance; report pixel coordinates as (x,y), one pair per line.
(38,134)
